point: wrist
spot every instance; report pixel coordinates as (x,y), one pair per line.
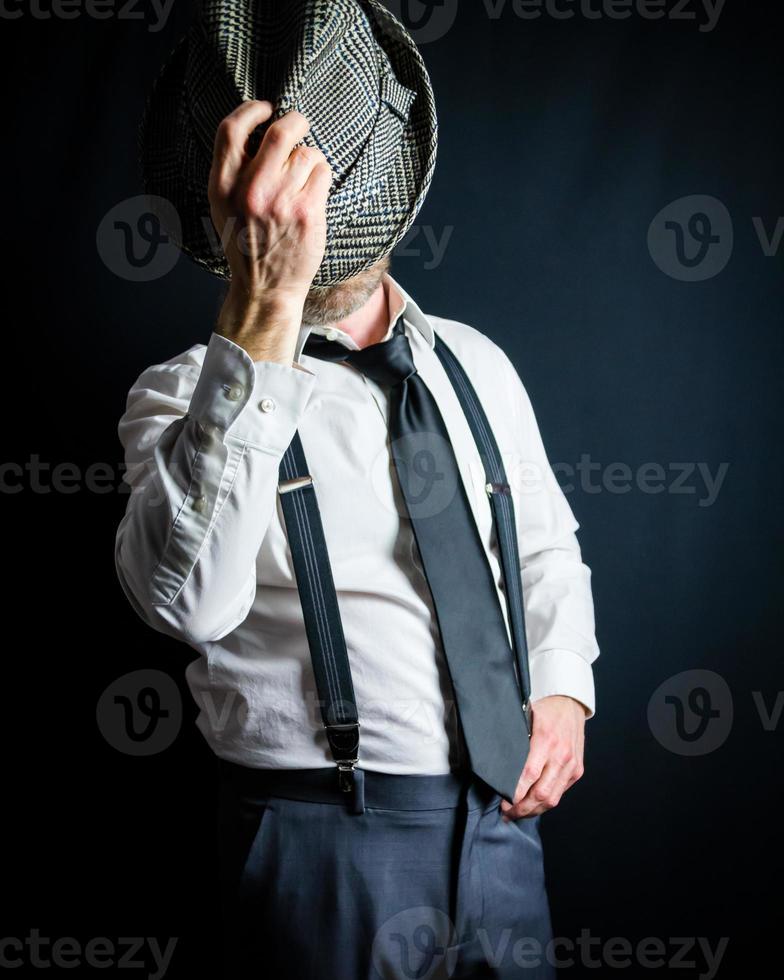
(266,324)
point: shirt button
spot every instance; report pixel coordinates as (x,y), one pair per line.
(267,404)
(332,335)
(200,504)
(234,392)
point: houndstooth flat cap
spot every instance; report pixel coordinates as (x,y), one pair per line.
(349,66)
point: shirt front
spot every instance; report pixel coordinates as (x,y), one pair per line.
(202,552)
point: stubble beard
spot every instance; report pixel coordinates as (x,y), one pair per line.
(329,304)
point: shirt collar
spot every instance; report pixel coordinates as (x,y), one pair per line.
(400,304)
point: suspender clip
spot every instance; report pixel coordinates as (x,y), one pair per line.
(344,744)
(286,486)
(529,717)
(346,776)
(492,488)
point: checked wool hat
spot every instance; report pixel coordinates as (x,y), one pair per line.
(349,66)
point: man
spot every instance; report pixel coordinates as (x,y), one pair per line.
(423,858)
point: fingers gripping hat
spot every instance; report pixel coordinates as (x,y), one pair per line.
(349,66)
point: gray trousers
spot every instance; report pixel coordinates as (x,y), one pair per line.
(422,880)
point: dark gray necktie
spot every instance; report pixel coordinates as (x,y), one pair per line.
(469,614)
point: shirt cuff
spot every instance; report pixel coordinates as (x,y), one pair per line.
(563,672)
(259,402)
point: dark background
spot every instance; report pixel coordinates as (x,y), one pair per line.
(560,141)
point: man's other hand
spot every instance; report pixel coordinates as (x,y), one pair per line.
(555,757)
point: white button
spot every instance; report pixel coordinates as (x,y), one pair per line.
(267,404)
(332,334)
(234,392)
(200,504)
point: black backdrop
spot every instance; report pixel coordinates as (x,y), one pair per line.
(650,343)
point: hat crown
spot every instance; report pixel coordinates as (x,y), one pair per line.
(349,66)
(293,52)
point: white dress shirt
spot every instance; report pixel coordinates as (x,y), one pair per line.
(202,552)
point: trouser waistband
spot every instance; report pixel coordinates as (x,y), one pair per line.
(377,790)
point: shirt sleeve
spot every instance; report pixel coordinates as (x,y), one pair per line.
(559,609)
(202,452)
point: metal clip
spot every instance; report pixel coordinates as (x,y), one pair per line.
(343,741)
(529,716)
(492,488)
(346,775)
(297,483)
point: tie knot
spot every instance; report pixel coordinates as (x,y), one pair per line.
(389,362)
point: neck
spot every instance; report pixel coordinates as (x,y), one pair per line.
(370,322)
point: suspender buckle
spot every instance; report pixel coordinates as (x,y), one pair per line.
(286,486)
(344,744)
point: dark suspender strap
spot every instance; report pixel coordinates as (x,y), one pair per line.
(320,610)
(502,506)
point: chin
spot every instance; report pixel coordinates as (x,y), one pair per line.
(328,304)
